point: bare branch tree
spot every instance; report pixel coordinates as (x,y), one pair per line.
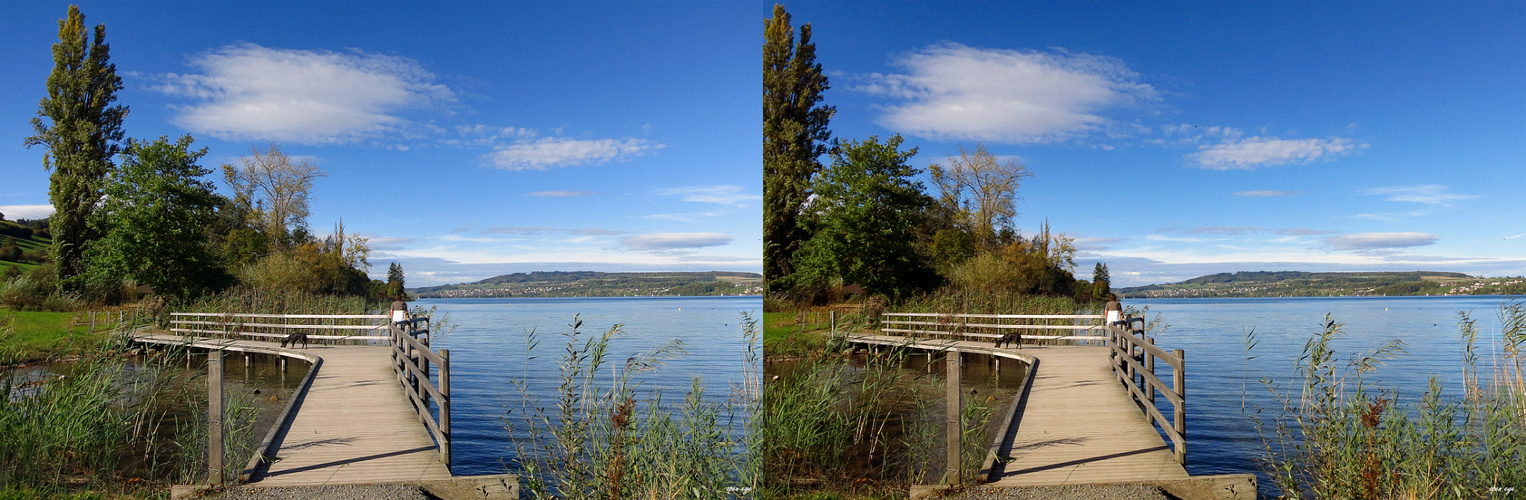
(983,187)
(279,188)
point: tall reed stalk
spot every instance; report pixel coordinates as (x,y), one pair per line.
(600,439)
(1342,437)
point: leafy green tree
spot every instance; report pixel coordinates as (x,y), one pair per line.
(795,136)
(1102,282)
(85,132)
(395,280)
(863,218)
(154,217)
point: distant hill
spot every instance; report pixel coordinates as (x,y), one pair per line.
(1304,284)
(597,284)
(22,246)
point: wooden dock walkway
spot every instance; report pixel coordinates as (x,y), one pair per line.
(1076,423)
(354,424)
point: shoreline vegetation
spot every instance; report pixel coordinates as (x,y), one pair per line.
(600,284)
(1334,284)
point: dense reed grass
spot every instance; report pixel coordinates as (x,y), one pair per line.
(250,300)
(1339,436)
(826,425)
(602,438)
(110,424)
(950,300)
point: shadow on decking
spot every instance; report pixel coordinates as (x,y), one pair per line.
(349,461)
(1060,465)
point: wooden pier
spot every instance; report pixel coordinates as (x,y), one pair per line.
(361,416)
(1083,416)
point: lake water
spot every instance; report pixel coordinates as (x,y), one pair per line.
(1220,439)
(488,354)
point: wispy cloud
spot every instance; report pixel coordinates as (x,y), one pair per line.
(549,152)
(250,92)
(458,238)
(545,229)
(1241,230)
(674,241)
(1267,193)
(1375,241)
(955,92)
(1430,194)
(687,217)
(562,194)
(1255,152)
(723,195)
(16,212)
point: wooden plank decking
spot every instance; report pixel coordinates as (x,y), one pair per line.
(354,424)
(1079,425)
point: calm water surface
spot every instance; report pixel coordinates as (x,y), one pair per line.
(1220,439)
(488,354)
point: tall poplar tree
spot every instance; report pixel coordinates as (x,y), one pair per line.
(795,135)
(85,132)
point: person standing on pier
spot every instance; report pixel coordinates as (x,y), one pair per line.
(400,312)
(1113,309)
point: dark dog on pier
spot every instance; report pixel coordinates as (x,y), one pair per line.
(1011,339)
(294,338)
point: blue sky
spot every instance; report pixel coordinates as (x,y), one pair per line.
(1179,139)
(465,140)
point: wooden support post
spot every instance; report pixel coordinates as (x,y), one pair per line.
(1179,379)
(952,365)
(215,417)
(832,316)
(445,406)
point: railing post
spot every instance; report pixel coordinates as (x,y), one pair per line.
(445,405)
(952,364)
(1150,367)
(1179,379)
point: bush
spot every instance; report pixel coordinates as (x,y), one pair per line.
(36,290)
(279,272)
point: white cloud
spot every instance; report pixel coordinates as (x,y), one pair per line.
(17,212)
(1374,241)
(674,241)
(562,194)
(955,92)
(1267,193)
(543,154)
(722,195)
(1430,194)
(250,92)
(1255,152)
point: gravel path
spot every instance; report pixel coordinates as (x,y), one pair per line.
(351,492)
(1091,492)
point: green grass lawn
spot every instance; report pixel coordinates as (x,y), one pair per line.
(783,337)
(34,336)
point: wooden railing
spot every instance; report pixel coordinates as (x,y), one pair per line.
(279,326)
(1067,327)
(411,360)
(1133,359)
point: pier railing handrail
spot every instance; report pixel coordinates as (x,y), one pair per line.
(1133,359)
(411,360)
(960,325)
(248,325)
